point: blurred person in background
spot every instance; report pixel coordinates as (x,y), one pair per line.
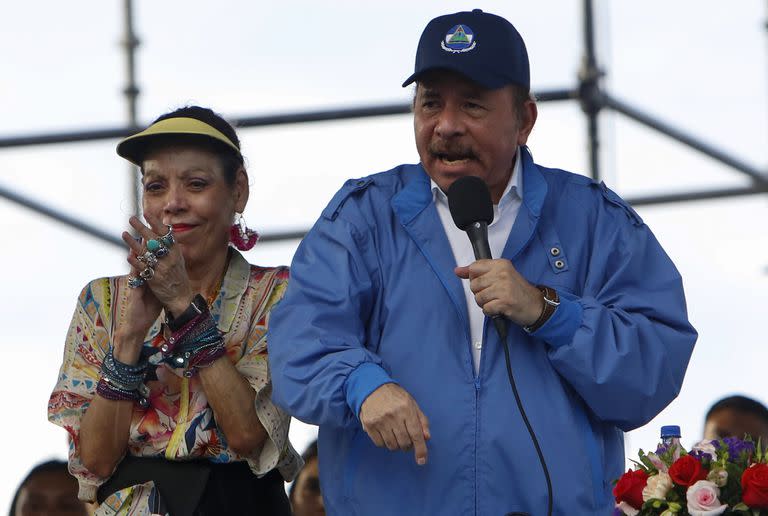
(735,416)
(48,490)
(164,387)
(304,494)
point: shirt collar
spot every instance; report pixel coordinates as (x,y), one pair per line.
(513,190)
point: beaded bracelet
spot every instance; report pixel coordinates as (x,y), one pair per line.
(195,345)
(107,390)
(121,381)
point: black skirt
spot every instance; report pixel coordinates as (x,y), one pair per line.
(201,487)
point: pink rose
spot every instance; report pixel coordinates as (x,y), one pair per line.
(704,499)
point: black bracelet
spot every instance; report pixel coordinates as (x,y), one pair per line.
(195,308)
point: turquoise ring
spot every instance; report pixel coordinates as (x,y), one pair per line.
(153,245)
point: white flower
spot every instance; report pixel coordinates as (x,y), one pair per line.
(718,476)
(627,509)
(657,487)
(705,446)
(703,499)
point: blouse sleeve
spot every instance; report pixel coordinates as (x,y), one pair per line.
(86,345)
(277,451)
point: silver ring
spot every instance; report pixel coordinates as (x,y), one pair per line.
(167,240)
(147,274)
(135,282)
(163,251)
(149,258)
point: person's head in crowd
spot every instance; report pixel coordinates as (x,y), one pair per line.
(305,496)
(735,416)
(48,490)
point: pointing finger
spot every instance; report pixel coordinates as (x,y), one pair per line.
(416,432)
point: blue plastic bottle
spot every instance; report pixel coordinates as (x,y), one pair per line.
(670,436)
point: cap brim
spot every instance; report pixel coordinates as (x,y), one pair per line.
(134,147)
(487,82)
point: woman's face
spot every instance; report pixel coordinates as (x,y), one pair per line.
(185,186)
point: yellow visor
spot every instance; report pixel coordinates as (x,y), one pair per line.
(133,147)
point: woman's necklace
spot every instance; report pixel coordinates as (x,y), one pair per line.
(215,293)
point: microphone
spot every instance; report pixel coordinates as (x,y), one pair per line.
(472,210)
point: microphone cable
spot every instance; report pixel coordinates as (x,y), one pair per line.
(501,329)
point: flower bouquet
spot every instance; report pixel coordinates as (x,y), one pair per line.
(725,476)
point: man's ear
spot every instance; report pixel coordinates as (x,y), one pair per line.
(530,114)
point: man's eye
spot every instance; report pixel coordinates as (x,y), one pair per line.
(313,484)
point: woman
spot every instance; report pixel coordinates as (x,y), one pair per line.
(165,388)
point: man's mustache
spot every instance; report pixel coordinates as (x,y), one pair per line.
(451,152)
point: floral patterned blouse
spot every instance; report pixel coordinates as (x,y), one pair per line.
(178,424)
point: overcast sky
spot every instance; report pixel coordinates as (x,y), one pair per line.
(698,65)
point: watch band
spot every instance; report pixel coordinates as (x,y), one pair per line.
(196,307)
(551,302)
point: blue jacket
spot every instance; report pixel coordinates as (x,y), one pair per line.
(373,299)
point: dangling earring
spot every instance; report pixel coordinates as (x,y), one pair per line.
(240,235)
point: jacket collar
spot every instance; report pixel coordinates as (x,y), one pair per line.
(414,209)
(528,217)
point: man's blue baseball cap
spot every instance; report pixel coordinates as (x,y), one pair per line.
(484,47)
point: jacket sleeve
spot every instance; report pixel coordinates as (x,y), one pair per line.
(319,336)
(625,343)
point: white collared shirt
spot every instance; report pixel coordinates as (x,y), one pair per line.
(504,215)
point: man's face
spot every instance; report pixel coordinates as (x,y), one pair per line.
(735,423)
(50,493)
(464,129)
(306,497)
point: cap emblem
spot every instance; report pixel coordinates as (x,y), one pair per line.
(459,39)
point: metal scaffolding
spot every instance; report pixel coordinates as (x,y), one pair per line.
(589,93)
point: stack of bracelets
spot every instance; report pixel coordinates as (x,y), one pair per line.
(194,344)
(120,381)
(195,341)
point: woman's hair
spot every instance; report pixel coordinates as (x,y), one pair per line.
(230,160)
(44,467)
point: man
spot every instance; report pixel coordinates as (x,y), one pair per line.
(736,416)
(304,493)
(48,489)
(385,343)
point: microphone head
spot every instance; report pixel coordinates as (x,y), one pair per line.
(470,201)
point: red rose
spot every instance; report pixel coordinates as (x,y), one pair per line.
(630,486)
(686,471)
(754,486)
